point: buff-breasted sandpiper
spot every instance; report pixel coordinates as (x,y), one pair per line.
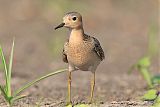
(81,51)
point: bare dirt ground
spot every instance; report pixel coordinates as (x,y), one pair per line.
(112,90)
(122,30)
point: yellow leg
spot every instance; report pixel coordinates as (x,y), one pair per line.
(92,86)
(69,87)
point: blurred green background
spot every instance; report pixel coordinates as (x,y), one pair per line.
(122,27)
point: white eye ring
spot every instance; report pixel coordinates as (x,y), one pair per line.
(74,18)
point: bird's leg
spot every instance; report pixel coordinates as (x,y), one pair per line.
(69,87)
(92,86)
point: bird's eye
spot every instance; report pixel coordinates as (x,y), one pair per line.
(74,18)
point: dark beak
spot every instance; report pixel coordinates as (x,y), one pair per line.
(59,26)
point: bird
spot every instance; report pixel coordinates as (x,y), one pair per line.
(80,51)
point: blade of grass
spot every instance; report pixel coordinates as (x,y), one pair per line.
(146,76)
(150,95)
(4,66)
(18,98)
(37,80)
(3,92)
(10,70)
(3,61)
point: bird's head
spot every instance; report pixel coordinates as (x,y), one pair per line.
(72,20)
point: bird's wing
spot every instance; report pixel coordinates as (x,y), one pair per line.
(64,53)
(98,49)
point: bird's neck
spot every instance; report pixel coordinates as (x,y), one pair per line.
(76,35)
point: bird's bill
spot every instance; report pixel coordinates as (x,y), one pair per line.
(59,26)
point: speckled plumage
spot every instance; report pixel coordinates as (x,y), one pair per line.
(81,51)
(85,54)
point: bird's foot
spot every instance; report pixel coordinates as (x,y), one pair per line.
(69,104)
(90,101)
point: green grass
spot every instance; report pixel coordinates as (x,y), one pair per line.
(152,95)
(144,63)
(143,67)
(5,90)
